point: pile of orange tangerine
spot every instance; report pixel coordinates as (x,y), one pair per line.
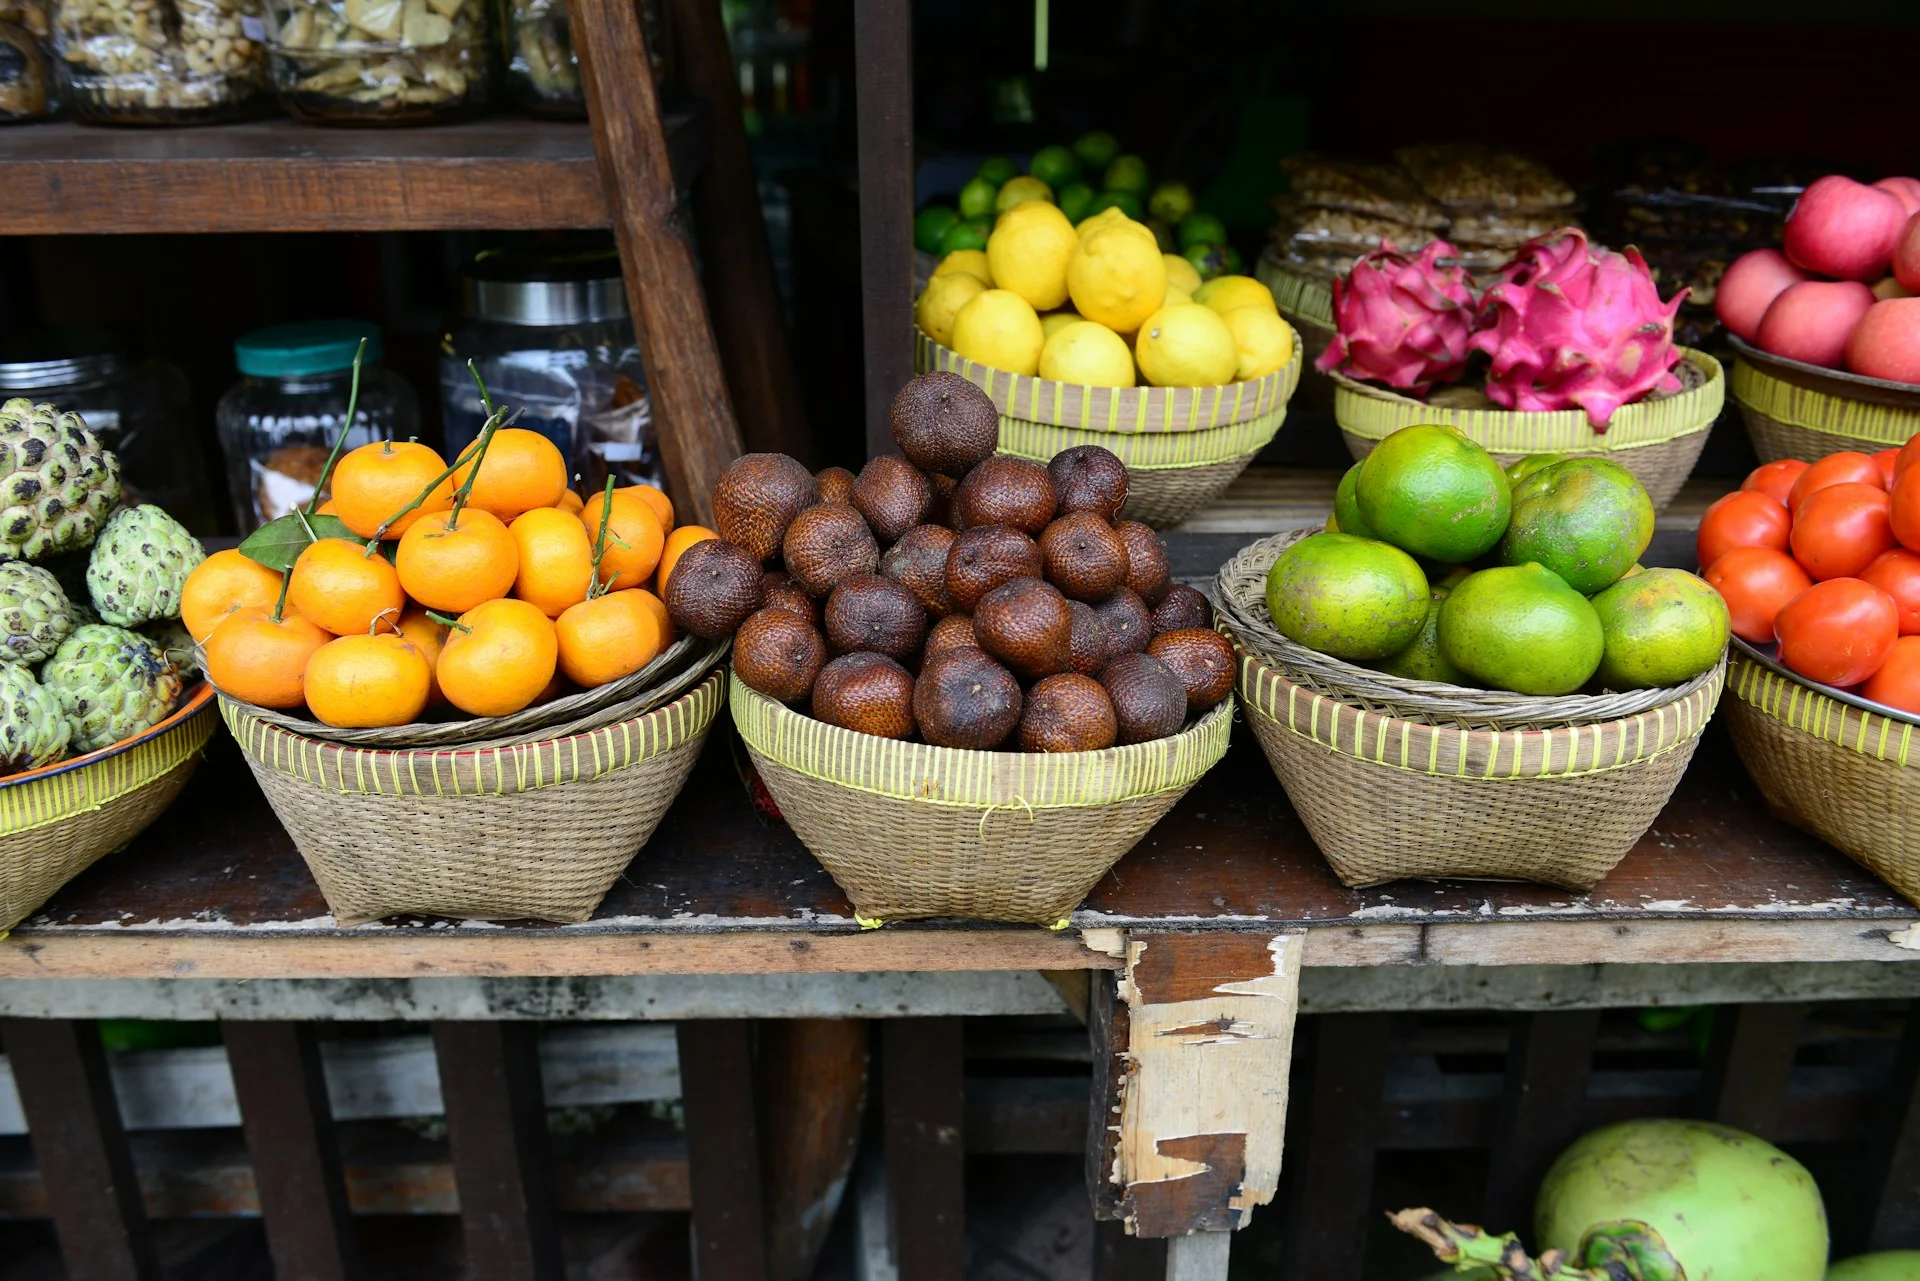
(491,606)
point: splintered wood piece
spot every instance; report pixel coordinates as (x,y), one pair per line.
(1548,1061)
(883,77)
(723,1149)
(813,1092)
(1210,1021)
(924,1099)
(1749,1064)
(1334,1140)
(497,1127)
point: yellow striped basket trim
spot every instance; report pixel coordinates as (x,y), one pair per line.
(1145,451)
(54,797)
(1495,755)
(1878,426)
(495,771)
(1374,413)
(1297,296)
(1116,409)
(946,776)
(1884,738)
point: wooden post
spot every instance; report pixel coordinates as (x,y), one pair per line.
(924,1083)
(723,1149)
(497,1125)
(290,1140)
(1749,1064)
(692,415)
(1330,1197)
(883,74)
(813,1093)
(73,1123)
(1548,1062)
(1885,1213)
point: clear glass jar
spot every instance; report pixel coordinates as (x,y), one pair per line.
(26,67)
(277,424)
(544,72)
(138,409)
(551,336)
(382,62)
(161,61)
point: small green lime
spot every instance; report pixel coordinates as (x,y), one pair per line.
(968,233)
(1586,519)
(1662,626)
(1125,201)
(1430,490)
(1422,660)
(1129,174)
(1055,165)
(930,224)
(1201,229)
(997,170)
(1354,598)
(976,198)
(1075,200)
(1346,508)
(1171,201)
(1208,260)
(1521,628)
(1018,191)
(1096,150)
(1521,468)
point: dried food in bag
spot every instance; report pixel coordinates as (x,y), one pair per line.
(1362,186)
(1475,174)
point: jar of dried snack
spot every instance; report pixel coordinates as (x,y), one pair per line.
(161,61)
(379,62)
(542,69)
(278,423)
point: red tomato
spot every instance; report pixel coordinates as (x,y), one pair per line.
(1756,582)
(1775,480)
(1897,573)
(1888,461)
(1909,455)
(1838,632)
(1897,683)
(1906,508)
(1744,518)
(1834,469)
(1840,529)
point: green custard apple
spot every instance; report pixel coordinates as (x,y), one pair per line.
(35,615)
(139,566)
(111,683)
(57,481)
(33,728)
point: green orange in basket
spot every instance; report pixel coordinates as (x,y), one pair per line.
(1423,660)
(1521,468)
(1521,628)
(1662,627)
(1586,519)
(1429,490)
(1346,507)
(1354,598)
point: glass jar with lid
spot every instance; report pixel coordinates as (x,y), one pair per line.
(138,409)
(382,61)
(551,336)
(543,70)
(26,67)
(278,423)
(161,61)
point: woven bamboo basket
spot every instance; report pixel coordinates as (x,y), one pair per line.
(1307,305)
(1795,410)
(56,820)
(1658,439)
(1477,784)
(1844,769)
(1182,445)
(538,829)
(909,830)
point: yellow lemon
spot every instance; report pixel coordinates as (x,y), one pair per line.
(998,328)
(1054,321)
(1116,277)
(941,301)
(1180,272)
(1112,217)
(971,261)
(1019,190)
(1264,341)
(1186,345)
(1028,253)
(1087,355)
(1175,294)
(1224,293)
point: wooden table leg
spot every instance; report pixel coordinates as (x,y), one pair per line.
(1199,1256)
(1749,1064)
(924,1084)
(1330,1198)
(723,1149)
(73,1124)
(497,1125)
(1548,1061)
(883,74)
(813,1094)
(1886,1213)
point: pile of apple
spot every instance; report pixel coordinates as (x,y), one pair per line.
(1841,289)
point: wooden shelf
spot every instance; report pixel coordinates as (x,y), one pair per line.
(499,173)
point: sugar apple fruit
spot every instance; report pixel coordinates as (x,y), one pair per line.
(111,684)
(57,481)
(172,638)
(138,566)
(33,728)
(35,615)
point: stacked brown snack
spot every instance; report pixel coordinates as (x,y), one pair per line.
(976,599)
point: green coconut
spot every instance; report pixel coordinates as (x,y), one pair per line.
(1888,1265)
(1729,1206)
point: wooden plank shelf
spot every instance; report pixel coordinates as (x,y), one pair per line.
(497,173)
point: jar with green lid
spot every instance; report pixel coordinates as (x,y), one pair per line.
(278,422)
(377,62)
(542,68)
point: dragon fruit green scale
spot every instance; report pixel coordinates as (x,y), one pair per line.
(111,684)
(139,566)
(33,728)
(57,481)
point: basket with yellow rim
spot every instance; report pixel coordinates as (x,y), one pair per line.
(1307,305)
(1182,445)
(1796,410)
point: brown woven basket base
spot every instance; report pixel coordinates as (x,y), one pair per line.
(1774,440)
(1662,468)
(1165,496)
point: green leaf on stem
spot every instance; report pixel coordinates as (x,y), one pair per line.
(278,543)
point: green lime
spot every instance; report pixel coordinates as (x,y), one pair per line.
(1201,229)
(1346,509)
(1353,598)
(930,224)
(997,170)
(1662,627)
(1171,201)
(1230,261)
(1586,519)
(1129,174)
(1075,200)
(1096,150)
(968,233)
(1018,191)
(1208,260)
(1521,628)
(1431,491)
(1162,234)
(976,198)
(1126,202)
(1521,468)
(1422,660)
(1055,165)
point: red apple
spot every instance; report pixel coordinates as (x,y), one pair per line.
(1844,229)
(1749,287)
(1906,256)
(1812,321)
(1905,190)
(1886,342)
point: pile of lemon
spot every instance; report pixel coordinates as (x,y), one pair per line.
(1099,305)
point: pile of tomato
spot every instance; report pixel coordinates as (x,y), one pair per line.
(1825,559)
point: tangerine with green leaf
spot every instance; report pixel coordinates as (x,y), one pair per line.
(338,586)
(635,537)
(607,637)
(556,559)
(522,470)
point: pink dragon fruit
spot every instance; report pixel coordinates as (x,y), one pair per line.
(1569,325)
(1403,321)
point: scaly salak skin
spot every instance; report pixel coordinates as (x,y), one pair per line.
(1622,1251)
